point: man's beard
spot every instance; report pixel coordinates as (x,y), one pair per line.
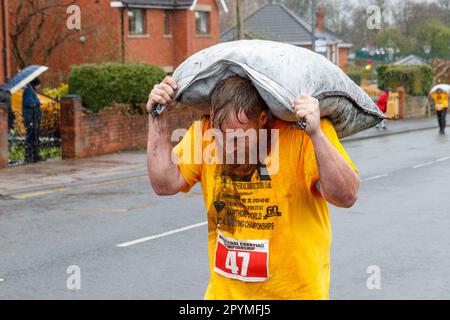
(238,170)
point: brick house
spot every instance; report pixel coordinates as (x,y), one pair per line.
(161,32)
(4,74)
(277,23)
(4,43)
(173,30)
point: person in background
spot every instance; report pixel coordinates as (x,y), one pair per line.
(31,111)
(440,98)
(382,105)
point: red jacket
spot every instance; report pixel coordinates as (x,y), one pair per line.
(382,101)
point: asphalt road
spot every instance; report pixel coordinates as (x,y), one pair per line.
(130,244)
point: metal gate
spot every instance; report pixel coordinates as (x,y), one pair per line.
(393,110)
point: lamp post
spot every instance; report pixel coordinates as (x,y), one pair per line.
(313,24)
(427,50)
(239,21)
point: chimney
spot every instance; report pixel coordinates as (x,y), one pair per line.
(320,22)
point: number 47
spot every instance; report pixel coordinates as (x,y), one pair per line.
(231,262)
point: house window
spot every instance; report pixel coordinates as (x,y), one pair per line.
(136,21)
(202,22)
(167,29)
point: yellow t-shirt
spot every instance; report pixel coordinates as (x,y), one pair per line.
(440,100)
(269,234)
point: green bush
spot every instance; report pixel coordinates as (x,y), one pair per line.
(355,73)
(57,93)
(416,79)
(101,85)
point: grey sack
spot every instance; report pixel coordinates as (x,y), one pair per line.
(280,72)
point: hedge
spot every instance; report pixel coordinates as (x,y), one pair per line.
(416,79)
(355,74)
(101,85)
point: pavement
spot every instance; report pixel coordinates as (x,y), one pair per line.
(58,173)
(128,243)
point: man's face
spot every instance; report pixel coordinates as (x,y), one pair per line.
(240,137)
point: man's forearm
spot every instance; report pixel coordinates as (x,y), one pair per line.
(162,171)
(339,183)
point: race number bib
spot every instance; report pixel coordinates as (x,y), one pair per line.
(439,107)
(245,260)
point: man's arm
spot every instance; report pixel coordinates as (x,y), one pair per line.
(164,174)
(339,183)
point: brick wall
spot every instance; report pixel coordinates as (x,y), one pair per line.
(3,135)
(198,42)
(415,107)
(155,47)
(86,134)
(410,106)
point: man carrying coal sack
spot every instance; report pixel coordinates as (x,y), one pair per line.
(269,231)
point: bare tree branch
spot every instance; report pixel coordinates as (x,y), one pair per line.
(24,37)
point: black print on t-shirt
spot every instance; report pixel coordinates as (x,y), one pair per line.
(237,202)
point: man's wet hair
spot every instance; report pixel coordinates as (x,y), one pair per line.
(235,94)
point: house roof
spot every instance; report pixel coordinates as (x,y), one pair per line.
(411,59)
(277,23)
(169,4)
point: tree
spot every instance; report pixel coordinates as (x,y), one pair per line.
(39,35)
(33,19)
(441,71)
(300,7)
(336,13)
(435,34)
(247,7)
(392,38)
(39,28)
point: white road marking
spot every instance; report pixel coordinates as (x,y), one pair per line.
(1,280)
(442,159)
(420,165)
(164,234)
(376,177)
